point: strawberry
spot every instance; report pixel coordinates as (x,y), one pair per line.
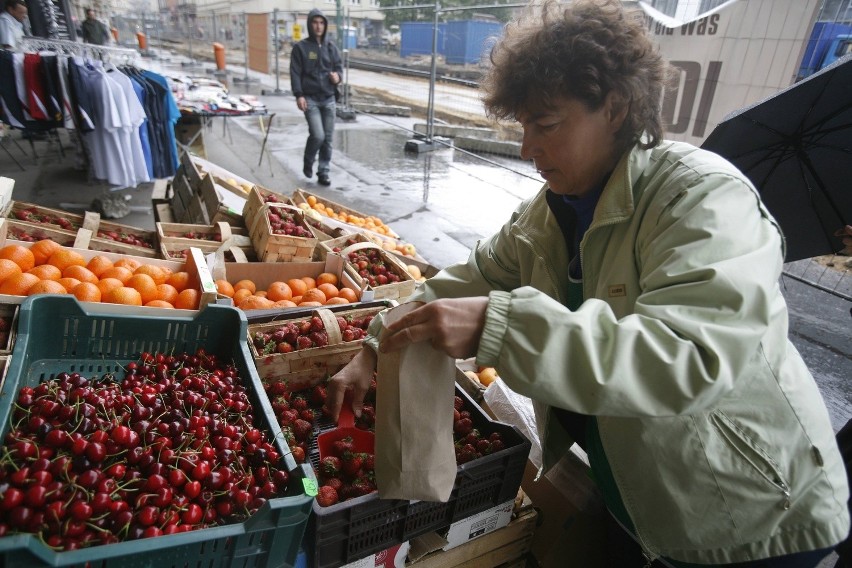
(318,395)
(302,429)
(472,437)
(352,462)
(287,417)
(330,466)
(298,454)
(483,447)
(465,454)
(362,486)
(458,403)
(463,426)
(340,447)
(309,415)
(369,462)
(497,445)
(327,496)
(316,324)
(334,482)
(299,403)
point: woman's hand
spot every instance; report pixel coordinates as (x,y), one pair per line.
(452,325)
(356,377)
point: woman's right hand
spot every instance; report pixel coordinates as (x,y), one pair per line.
(355,376)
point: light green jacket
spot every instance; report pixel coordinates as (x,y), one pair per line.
(715,431)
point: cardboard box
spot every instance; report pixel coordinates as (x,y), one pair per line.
(393,557)
(477,525)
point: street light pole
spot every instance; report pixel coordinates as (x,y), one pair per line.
(277,90)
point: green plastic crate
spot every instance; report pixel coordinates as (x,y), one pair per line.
(56,334)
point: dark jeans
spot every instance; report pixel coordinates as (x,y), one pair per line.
(320,117)
(624,552)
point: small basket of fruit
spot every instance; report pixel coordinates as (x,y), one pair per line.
(278,231)
(374,268)
(305,350)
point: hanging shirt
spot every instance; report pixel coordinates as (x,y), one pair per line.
(52,89)
(80,99)
(34,83)
(13,113)
(134,119)
(67,104)
(11,31)
(172,115)
(143,129)
(21,84)
(104,141)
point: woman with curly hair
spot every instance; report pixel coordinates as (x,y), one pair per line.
(635,300)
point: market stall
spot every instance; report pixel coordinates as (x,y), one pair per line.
(277,291)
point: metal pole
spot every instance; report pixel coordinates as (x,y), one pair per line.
(277,90)
(245,78)
(430,117)
(215,35)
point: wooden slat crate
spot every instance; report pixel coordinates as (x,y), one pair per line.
(37,215)
(391,291)
(352,217)
(305,367)
(271,247)
(258,197)
(226,207)
(180,251)
(215,234)
(31,232)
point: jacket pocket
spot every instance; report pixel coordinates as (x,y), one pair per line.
(757,457)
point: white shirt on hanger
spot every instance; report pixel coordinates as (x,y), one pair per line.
(135,116)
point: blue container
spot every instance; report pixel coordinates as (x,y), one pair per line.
(416,38)
(350,38)
(470,41)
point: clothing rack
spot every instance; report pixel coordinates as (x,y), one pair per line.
(102,52)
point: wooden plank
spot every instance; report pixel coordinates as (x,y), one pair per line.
(490,550)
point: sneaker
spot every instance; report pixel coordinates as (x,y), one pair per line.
(323,179)
(308,170)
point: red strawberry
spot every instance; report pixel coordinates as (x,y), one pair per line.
(465,454)
(327,496)
(340,447)
(334,482)
(298,454)
(330,466)
(462,426)
(299,403)
(319,394)
(483,447)
(458,403)
(362,486)
(316,324)
(302,429)
(352,462)
(309,415)
(497,445)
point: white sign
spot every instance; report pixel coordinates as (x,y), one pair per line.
(728,58)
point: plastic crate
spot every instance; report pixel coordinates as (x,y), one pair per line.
(354,529)
(56,334)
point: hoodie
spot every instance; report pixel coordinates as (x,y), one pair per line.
(311,62)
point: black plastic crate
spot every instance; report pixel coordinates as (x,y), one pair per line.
(357,528)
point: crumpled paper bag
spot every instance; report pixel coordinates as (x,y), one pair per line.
(415,458)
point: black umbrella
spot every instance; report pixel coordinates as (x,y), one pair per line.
(796,148)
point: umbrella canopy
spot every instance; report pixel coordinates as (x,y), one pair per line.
(796,148)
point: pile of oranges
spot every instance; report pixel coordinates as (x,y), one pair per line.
(370,223)
(49,268)
(303,292)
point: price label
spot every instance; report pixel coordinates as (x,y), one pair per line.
(310,486)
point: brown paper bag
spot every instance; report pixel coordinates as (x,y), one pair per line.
(414,459)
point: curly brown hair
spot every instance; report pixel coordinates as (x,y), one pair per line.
(583,51)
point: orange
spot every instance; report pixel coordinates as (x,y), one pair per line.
(314,295)
(145,285)
(336,300)
(46,272)
(8,268)
(349,294)
(296,299)
(107,284)
(309,304)
(284,304)
(63,258)
(118,272)
(225,288)
(310,281)
(123,295)
(87,292)
(167,293)
(18,284)
(330,290)
(46,287)
(81,273)
(298,286)
(188,299)
(43,249)
(155,272)
(180,280)
(247,284)
(20,255)
(159,304)
(312,200)
(241,295)
(68,283)
(256,303)
(98,264)
(261,293)
(279,291)
(327,278)
(129,263)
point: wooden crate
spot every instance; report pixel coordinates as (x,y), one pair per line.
(306,367)
(258,197)
(225,206)
(301,196)
(391,291)
(326,247)
(216,234)
(270,247)
(9,317)
(180,251)
(106,237)
(31,232)
(49,217)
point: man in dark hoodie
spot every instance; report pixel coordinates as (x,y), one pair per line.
(315,69)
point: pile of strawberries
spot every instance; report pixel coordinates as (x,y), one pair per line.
(308,333)
(126,238)
(283,222)
(347,474)
(203,236)
(371,266)
(33,215)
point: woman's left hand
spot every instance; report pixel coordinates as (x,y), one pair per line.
(452,325)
